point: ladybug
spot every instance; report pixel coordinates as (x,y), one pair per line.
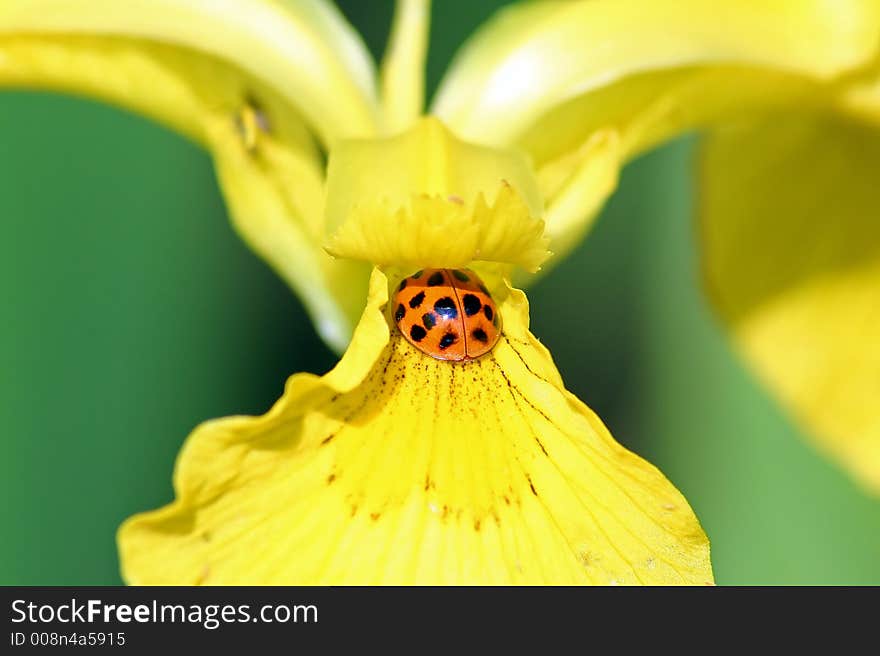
(447,313)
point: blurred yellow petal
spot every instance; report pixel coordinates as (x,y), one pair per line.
(424,199)
(501,83)
(583,87)
(791,246)
(251,81)
(397,468)
(861,98)
(403,67)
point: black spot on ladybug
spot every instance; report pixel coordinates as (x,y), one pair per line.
(417,274)
(480,335)
(416,300)
(461,275)
(402,284)
(417,333)
(399,313)
(484,290)
(435,279)
(471,304)
(429,321)
(487,310)
(445,307)
(448,340)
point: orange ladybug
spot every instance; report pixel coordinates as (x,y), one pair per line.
(447,313)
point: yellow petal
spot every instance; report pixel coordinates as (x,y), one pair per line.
(576,185)
(302,48)
(248,80)
(791,248)
(579,147)
(534,58)
(427,199)
(583,87)
(403,68)
(275,200)
(861,98)
(397,468)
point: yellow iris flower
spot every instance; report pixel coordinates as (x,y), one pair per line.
(398,468)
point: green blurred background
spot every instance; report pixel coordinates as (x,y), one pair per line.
(131,312)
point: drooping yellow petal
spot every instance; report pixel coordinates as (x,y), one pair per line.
(585,86)
(397,468)
(790,230)
(425,198)
(275,199)
(303,49)
(579,147)
(251,81)
(403,68)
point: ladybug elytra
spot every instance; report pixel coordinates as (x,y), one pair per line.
(447,314)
